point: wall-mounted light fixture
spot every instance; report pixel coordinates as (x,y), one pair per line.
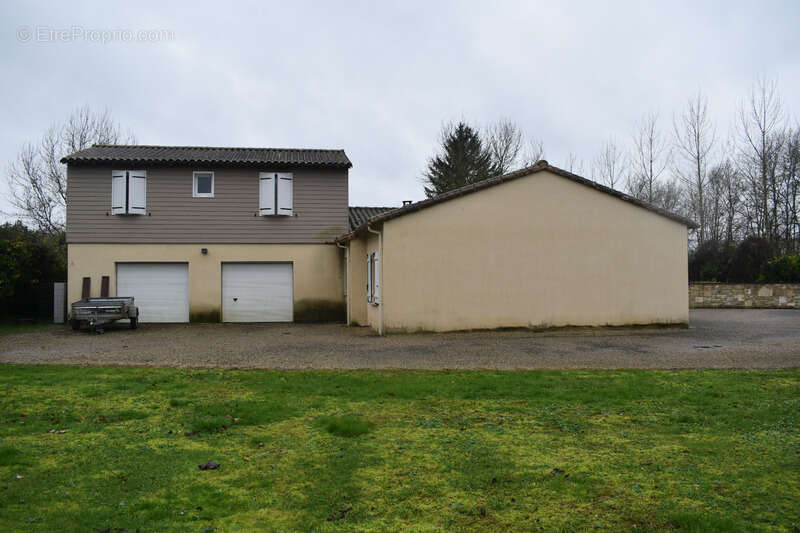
(204,251)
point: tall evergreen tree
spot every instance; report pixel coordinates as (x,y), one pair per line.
(463,159)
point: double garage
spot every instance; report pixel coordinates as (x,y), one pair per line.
(251,292)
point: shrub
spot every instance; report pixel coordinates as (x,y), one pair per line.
(710,261)
(28,260)
(748,260)
(785,269)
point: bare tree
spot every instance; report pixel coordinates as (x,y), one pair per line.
(714,210)
(509,147)
(574,164)
(694,140)
(32,194)
(723,198)
(730,180)
(533,152)
(789,180)
(37,179)
(610,164)
(762,132)
(668,195)
(504,141)
(651,156)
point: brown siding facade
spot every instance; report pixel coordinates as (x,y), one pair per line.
(175,216)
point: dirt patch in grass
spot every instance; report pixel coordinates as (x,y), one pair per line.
(9,456)
(344,426)
(215,416)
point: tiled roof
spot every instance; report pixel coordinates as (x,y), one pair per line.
(483,184)
(171,155)
(359,215)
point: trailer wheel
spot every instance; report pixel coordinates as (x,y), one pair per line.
(134,322)
(76,324)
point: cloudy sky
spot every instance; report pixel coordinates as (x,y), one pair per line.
(379,78)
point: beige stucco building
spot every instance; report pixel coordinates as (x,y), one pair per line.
(536,248)
(266,235)
(316,280)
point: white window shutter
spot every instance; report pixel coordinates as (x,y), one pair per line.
(376,265)
(118,192)
(137,192)
(285,193)
(369,278)
(266,196)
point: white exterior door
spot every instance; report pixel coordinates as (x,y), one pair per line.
(161,290)
(257,292)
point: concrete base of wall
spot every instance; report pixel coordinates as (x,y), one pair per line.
(556,330)
(744,295)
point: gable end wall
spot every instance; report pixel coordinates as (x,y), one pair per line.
(540,251)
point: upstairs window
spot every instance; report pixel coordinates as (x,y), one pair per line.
(276,193)
(128,192)
(203,186)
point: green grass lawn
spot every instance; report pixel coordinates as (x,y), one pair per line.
(411,451)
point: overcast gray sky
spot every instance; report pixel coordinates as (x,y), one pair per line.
(379,78)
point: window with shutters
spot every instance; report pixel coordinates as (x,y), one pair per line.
(203,184)
(276,193)
(376,278)
(369,277)
(373,278)
(128,192)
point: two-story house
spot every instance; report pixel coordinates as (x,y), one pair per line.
(207,234)
(265,235)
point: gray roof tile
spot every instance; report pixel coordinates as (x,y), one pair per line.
(359,215)
(171,155)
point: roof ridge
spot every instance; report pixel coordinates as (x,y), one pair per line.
(539,166)
(216,147)
(236,156)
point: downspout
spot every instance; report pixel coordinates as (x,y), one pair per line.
(380,264)
(346,280)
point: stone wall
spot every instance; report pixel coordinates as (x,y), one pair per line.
(745,295)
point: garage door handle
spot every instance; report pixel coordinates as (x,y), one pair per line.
(236,299)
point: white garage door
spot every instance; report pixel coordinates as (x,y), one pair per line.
(161,290)
(257,292)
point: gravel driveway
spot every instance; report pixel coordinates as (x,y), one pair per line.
(716,339)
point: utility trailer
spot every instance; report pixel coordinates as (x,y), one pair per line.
(97,312)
